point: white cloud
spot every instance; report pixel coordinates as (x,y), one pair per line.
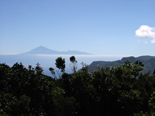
(146,31)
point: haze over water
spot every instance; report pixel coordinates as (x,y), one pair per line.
(46,60)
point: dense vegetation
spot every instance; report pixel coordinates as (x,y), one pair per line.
(120,90)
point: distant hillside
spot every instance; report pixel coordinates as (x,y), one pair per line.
(44,50)
(148,61)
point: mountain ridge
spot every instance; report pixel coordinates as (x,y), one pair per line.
(148,61)
(44,50)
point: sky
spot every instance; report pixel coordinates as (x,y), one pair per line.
(99,27)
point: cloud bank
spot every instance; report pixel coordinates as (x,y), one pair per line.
(146,31)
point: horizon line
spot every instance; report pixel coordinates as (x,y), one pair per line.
(77,55)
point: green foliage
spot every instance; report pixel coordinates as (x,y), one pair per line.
(23,91)
(118,90)
(38,69)
(151,107)
(115,88)
(72,59)
(84,68)
(152,103)
(60,63)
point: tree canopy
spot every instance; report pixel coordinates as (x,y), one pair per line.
(60,63)
(121,90)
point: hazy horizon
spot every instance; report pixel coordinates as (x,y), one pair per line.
(90,55)
(47,61)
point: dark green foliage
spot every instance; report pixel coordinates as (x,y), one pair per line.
(60,63)
(72,59)
(84,68)
(38,69)
(118,90)
(24,91)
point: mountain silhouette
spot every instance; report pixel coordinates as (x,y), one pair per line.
(44,50)
(148,61)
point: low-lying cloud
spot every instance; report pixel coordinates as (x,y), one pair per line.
(146,31)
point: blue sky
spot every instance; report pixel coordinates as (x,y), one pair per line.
(99,27)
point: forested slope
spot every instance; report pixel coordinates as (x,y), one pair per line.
(148,61)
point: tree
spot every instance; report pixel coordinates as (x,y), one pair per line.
(152,102)
(74,65)
(84,67)
(115,89)
(38,69)
(52,72)
(25,91)
(60,63)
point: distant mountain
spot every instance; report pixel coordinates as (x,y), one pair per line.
(148,61)
(37,56)
(44,50)
(41,50)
